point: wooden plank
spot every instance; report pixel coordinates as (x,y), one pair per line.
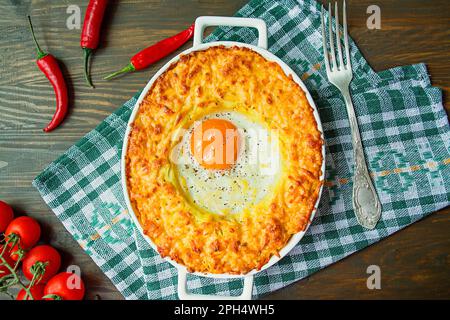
(415,262)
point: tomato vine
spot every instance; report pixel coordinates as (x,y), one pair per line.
(12,278)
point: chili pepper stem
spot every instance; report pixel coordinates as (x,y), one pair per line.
(40,53)
(87,53)
(126,69)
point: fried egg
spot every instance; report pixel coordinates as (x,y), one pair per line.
(227,162)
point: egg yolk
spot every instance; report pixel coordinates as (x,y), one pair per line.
(214,144)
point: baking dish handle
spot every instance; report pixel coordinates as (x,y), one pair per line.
(183,294)
(202,22)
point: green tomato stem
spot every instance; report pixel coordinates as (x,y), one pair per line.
(52,296)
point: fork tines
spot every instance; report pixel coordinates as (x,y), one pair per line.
(332,65)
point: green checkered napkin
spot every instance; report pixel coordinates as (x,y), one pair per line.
(406,139)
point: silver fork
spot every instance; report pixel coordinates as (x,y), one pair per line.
(366,204)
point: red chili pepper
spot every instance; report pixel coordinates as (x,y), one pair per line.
(49,66)
(90,34)
(155,52)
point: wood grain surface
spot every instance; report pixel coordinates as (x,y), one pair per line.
(415,262)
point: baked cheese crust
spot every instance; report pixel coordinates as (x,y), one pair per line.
(202,82)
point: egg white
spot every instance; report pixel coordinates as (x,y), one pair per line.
(246,183)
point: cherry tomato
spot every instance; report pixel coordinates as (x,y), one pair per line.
(66,285)
(45,254)
(28,231)
(37,291)
(4,270)
(6,215)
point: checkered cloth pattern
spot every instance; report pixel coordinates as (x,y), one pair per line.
(406,141)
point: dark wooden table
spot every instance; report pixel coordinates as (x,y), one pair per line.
(415,262)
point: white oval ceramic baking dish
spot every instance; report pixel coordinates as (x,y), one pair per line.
(200,24)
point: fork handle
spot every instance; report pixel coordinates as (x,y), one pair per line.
(366,204)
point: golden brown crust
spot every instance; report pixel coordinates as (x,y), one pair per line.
(236,79)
